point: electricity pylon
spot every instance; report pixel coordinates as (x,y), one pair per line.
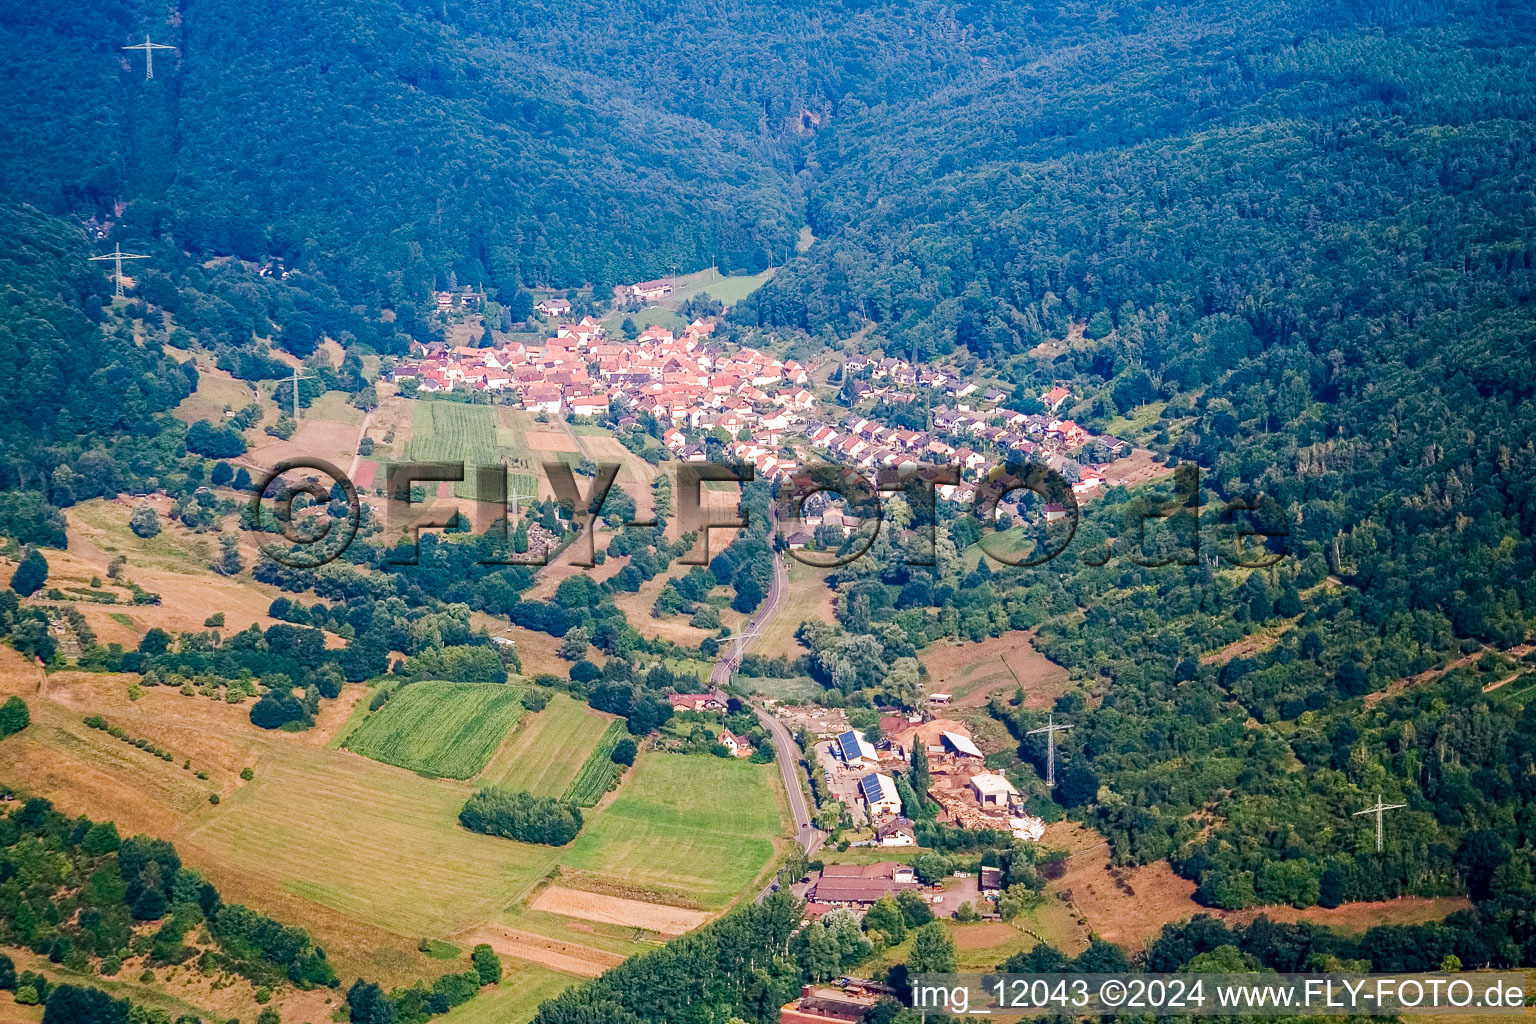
(1379,810)
(149,49)
(117,256)
(1050,729)
(297,376)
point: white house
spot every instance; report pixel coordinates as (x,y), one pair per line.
(879,792)
(739,746)
(896,832)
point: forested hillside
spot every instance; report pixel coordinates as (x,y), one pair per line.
(79,392)
(392,149)
(1308,229)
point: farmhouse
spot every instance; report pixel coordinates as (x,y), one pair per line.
(554,307)
(860,884)
(697,702)
(824,1005)
(879,793)
(739,746)
(650,290)
(896,832)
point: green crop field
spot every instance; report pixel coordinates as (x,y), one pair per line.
(447,730)
(550,748)
(599,771)
(456,432)
(688,824)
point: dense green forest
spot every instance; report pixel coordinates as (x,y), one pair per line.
(1310,232)
(81,415)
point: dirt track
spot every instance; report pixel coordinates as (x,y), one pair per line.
(569,957)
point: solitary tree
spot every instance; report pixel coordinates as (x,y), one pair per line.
(933,951)
(14,716)
(229,563)
(145,521)
(487,964)
(31,574)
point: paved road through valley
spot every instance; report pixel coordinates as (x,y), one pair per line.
(807,834)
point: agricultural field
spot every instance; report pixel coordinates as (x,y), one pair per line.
(598,773)
(550,748)
(729,290)
(437,729)
(336,842)
(216,392)
(807,597)
(329,429)
(474,435)
(523,987)
(173,564)
(993,667)
(690,826)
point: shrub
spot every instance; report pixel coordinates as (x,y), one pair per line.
(145,521)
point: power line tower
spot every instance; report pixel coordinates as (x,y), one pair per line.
(117,256)
(1379,810)
(149,49)
(298,376)
(1050,729)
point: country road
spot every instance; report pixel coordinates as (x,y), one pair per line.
(807,834)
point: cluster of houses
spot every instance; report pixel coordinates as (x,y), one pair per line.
(467,299)
(680,379)
(979,441)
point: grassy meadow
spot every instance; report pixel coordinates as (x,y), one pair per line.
(696,826)
(444,730)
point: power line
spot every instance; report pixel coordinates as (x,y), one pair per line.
(149,49)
